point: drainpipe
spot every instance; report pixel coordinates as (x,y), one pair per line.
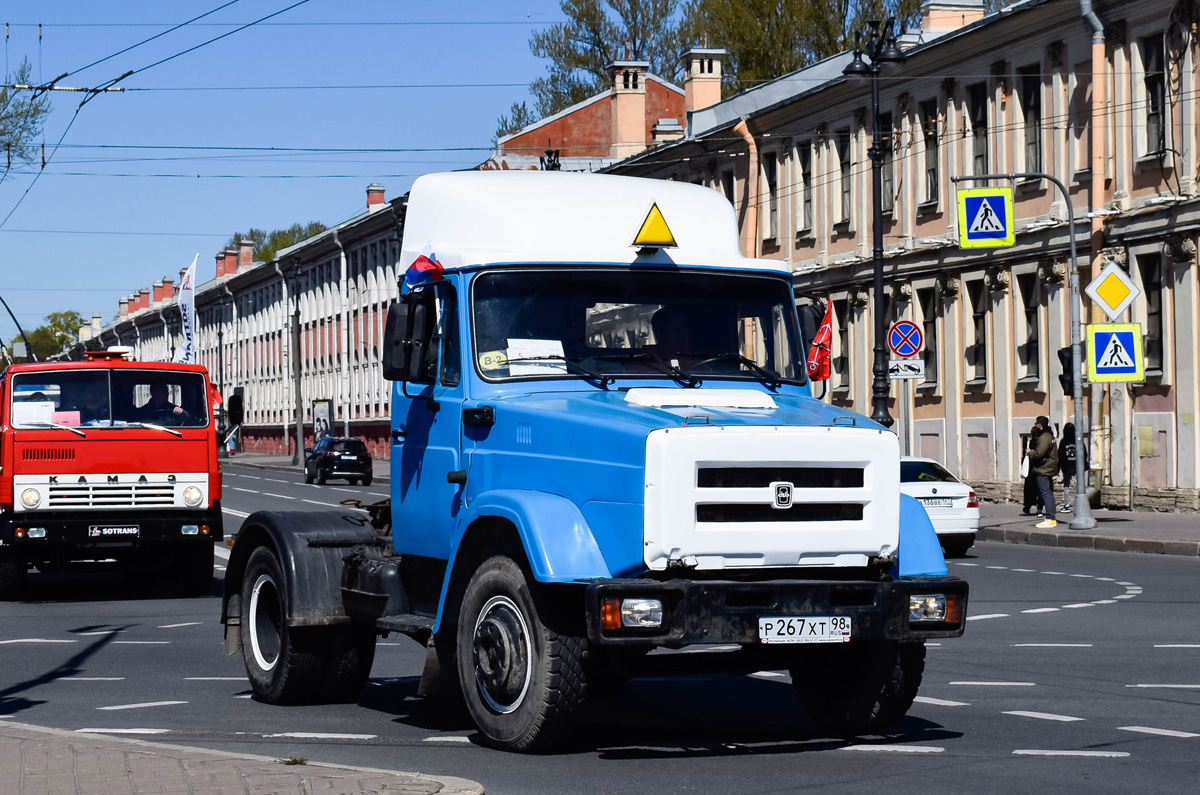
(750,236)
(344,288)
(1096,199)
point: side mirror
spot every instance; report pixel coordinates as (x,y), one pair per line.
(236,409)
(410,326)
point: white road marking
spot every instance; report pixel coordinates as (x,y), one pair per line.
(1042,716)
(1053,572)
(222,552)
(144,704)
(708,649)
(1177,645)
(1054,645)
(1084,576)
(773,674)
(1041,610)
(987,615)
(184,624)
(89,679)
(1162,732)
(142,642)
(38,640)
(214,679)
(219,568)
(996,684)
(1167,687)
(1125,583)
(348,491)
(231,512)
(1025,570)
(123,731)
(375,494)
(247,695)
(1105,602)
(1100,754)
(323,736)
(902,749)
(248,491)
(940,702)
(997,567)
(277,480)
(1125,596)
(452,738)
(280,496)
(1080,604)
(1105,579)
(966,564)
(100,632)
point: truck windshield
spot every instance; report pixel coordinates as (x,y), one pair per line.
(108,398)
(555,322)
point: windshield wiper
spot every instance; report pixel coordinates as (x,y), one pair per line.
(153,427)
(769,377)
(668,366)
(572,366)
(41,424)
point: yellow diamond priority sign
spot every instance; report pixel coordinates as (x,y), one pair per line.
(1113,290)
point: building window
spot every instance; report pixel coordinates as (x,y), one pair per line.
(804,163)
(769,202)
(977,106)
(1156,94)
(1151,269)
(1081,116)
(928,301)
(727,186)
(929,128)
(1028,336)
(977,346)
(888,193)
(841,142)
(841,362)
(1029,83)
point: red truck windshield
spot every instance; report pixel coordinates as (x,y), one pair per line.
(108,398)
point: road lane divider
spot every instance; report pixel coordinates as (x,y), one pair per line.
(184,624)
(1159,732)
(1097,754)
(1020,713)
(143,705)
(122,731)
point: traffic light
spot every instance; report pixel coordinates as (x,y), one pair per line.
(1067,378)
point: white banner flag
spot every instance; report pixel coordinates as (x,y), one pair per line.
(186,352)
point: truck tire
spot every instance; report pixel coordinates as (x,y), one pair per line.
(350,651)
(12,579)
(957,548)
(859,688)
(284,663)
(197,574)
(522,681)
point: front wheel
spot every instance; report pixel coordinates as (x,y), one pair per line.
(522,681)
(859,688)
(282,662)
(197,574)
(12,579)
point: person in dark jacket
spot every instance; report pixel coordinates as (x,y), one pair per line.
(1067,451)
(1043,457)
(1031,497)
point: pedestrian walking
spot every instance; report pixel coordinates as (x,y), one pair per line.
(1067,452)
(1043,458)
(1031,497)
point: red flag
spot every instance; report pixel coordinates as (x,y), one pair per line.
(818,354)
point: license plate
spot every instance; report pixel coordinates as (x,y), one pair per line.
(113,531)
(937,502)
(804,629)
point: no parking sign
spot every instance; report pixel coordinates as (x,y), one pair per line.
(905,338)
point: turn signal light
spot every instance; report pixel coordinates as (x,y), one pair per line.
(610,614)
(973,500)
(20,532)
(953,608)
(205,529)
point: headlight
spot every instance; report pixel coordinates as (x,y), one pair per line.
(641,613)
(192,496)
(31,498)
(927,607)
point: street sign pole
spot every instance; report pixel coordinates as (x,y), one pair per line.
(1082,518)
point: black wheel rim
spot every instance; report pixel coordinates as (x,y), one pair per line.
(501,647)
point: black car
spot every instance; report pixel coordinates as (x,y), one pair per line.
(335,457)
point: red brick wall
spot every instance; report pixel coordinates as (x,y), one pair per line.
(662,103)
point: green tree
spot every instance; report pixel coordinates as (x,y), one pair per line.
(266,244)
(596,33)
(21,117)
(60,330)
(519,116)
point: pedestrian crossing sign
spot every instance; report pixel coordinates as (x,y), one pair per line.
(985,218)
(1114,353)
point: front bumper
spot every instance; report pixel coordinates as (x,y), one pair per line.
(722,611)
(69,535)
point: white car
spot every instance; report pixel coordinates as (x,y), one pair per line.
(951,504)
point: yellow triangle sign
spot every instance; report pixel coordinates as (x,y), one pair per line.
(654,232)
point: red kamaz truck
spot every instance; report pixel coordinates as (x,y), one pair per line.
(108,459)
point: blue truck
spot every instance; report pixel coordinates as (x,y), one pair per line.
(604,450)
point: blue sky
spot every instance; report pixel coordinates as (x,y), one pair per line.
(53,255)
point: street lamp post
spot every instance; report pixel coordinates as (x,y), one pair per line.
(880,48)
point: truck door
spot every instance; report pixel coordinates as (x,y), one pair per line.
(427,441)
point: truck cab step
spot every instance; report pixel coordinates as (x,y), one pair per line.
(405,623)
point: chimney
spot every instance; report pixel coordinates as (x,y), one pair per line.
(628,108)
(666,130)
(96,325)
(124,307)
(157,295)
(702,78)
(182,276)
(168,288)
(943,16)
(144,298)
(245,254)
(85,332)
(220,266)
(231,258)
(375,198)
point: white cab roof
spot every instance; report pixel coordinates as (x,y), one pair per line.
(479,217)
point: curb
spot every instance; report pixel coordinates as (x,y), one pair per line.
(450,785)
(1072,540)
(287,468)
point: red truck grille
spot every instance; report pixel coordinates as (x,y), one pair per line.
(106,495)
(48,454)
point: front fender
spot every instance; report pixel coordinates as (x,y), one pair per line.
(557,540)
(920,551)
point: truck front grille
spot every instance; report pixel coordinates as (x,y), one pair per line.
(802,512)
(112,495)
(47,454)
(752,477)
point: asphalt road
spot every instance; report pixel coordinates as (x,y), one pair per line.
(1078,672)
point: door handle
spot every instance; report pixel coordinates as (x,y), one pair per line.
(398,434)
(457,476)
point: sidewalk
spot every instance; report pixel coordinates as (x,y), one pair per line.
(1115,531)
(56,762)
